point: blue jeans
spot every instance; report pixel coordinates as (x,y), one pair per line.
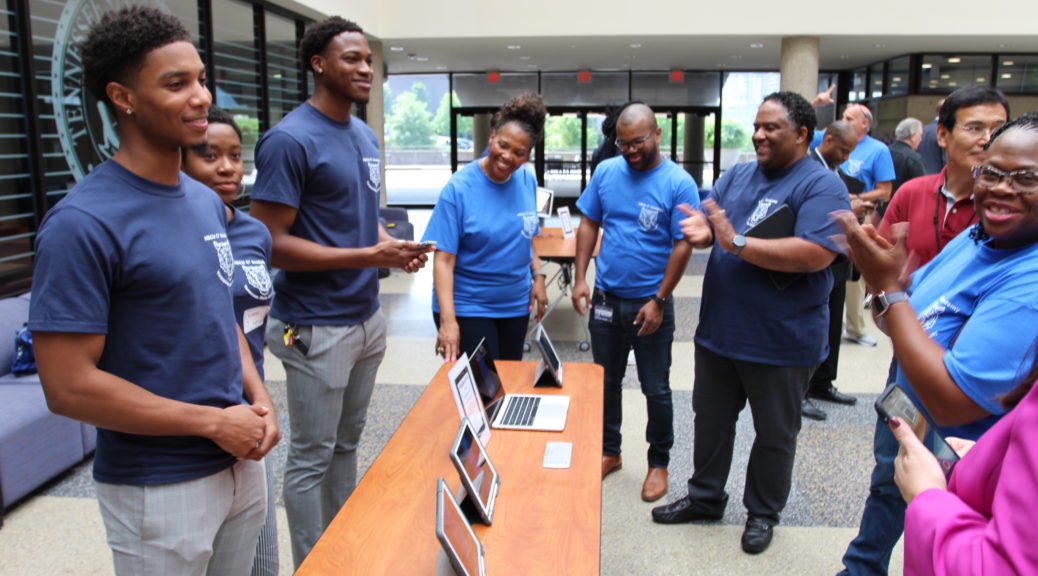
(611,340)
(883,520)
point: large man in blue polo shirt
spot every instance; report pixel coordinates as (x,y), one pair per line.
(642,258)
(760,335)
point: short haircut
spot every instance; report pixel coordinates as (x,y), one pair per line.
(965,97)
(798,109)
(907,128)
(116,45)
(842,130)
(527,110)
(864,110)
(319,34)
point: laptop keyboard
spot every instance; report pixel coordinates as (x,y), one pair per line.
(521,411)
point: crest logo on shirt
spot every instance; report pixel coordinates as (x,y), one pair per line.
(761,211)
(529,224)
(257,279)
(853,168)
(374,174)
(928,317)
(226,256)
(648,217)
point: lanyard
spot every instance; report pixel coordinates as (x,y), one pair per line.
(936,215)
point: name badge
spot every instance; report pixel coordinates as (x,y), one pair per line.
(253,318)
(603,313)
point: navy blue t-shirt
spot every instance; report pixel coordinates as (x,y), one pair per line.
(253,289)
(489,227)
(331,173)
(149,266)
(743,315)
(640,222)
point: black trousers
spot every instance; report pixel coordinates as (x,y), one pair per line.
(825,375)
(504,336)
(775,394)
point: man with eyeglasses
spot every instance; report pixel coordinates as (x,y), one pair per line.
(763,320)
(635,199)
(935,208)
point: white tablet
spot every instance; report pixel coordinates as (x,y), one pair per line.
(456,536)
(478,475)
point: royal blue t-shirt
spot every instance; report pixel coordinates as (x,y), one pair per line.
(253,289)
(489,227)
(981,305)
(640,222)
(150,267)
(870,161)
(743,315)
(331,173)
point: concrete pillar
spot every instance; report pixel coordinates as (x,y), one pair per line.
(480,133)
(376,112)
(799,66)
(695,139)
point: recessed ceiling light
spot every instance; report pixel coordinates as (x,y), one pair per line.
(720,65)
(1006,76)
(524,57)
(1008,62)
(531,65)
(736,56)
(514,47)
(880,45)
(422,59)
(843,56)
(396,48)
(897,78)
(945,76)
(636,45)
(441,67)
(756,45)
(927,66)
(953,84)
(981,79)
(954,60)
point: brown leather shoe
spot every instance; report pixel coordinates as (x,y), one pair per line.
(655,485)
(611,464)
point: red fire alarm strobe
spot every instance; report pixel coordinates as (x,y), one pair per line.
(677,76)
(584,77)
(493,77)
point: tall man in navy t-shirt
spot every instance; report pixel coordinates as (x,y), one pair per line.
(134,325)
(318,193)
(761,333)
(642,258)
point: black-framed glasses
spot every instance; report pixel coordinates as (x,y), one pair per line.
(1022,181)
(635,143)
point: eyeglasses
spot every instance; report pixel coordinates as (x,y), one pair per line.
(1023,181)
(976,130)
(636,143)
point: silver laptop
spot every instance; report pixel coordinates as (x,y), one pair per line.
(515,411)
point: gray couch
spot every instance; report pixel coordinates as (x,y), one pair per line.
(35,444)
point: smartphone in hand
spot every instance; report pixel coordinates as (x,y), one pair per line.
(895,403)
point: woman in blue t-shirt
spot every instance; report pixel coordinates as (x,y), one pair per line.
(218,164)
(483,225)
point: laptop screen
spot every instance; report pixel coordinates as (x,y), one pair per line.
(487,381)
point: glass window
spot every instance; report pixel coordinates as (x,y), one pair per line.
(1017,73)
(17,207)
(284,71)
(237,71)
(897,76)
(601,89)
(478,90)
(827,79)
(944,73)
(857,92)
(876,80)
(693,88)
(417,133)
(742,95)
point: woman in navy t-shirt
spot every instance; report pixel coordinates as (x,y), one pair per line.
(483,225)
(218,164)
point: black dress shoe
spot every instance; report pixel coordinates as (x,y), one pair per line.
(757,536)
(831,394)
(682,511)
(809,410)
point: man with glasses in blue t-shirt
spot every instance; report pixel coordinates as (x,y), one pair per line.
(760,334)
(642,258)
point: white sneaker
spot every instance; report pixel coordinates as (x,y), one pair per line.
(630,358)
(863,340)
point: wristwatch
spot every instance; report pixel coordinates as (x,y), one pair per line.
(738,243)
(661,302)
(884,300)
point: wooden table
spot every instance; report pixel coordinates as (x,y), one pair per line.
(551,245)
(545,521)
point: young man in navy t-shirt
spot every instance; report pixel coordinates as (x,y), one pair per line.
(133,323)
(643,256)
(763,320)
(318,193)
